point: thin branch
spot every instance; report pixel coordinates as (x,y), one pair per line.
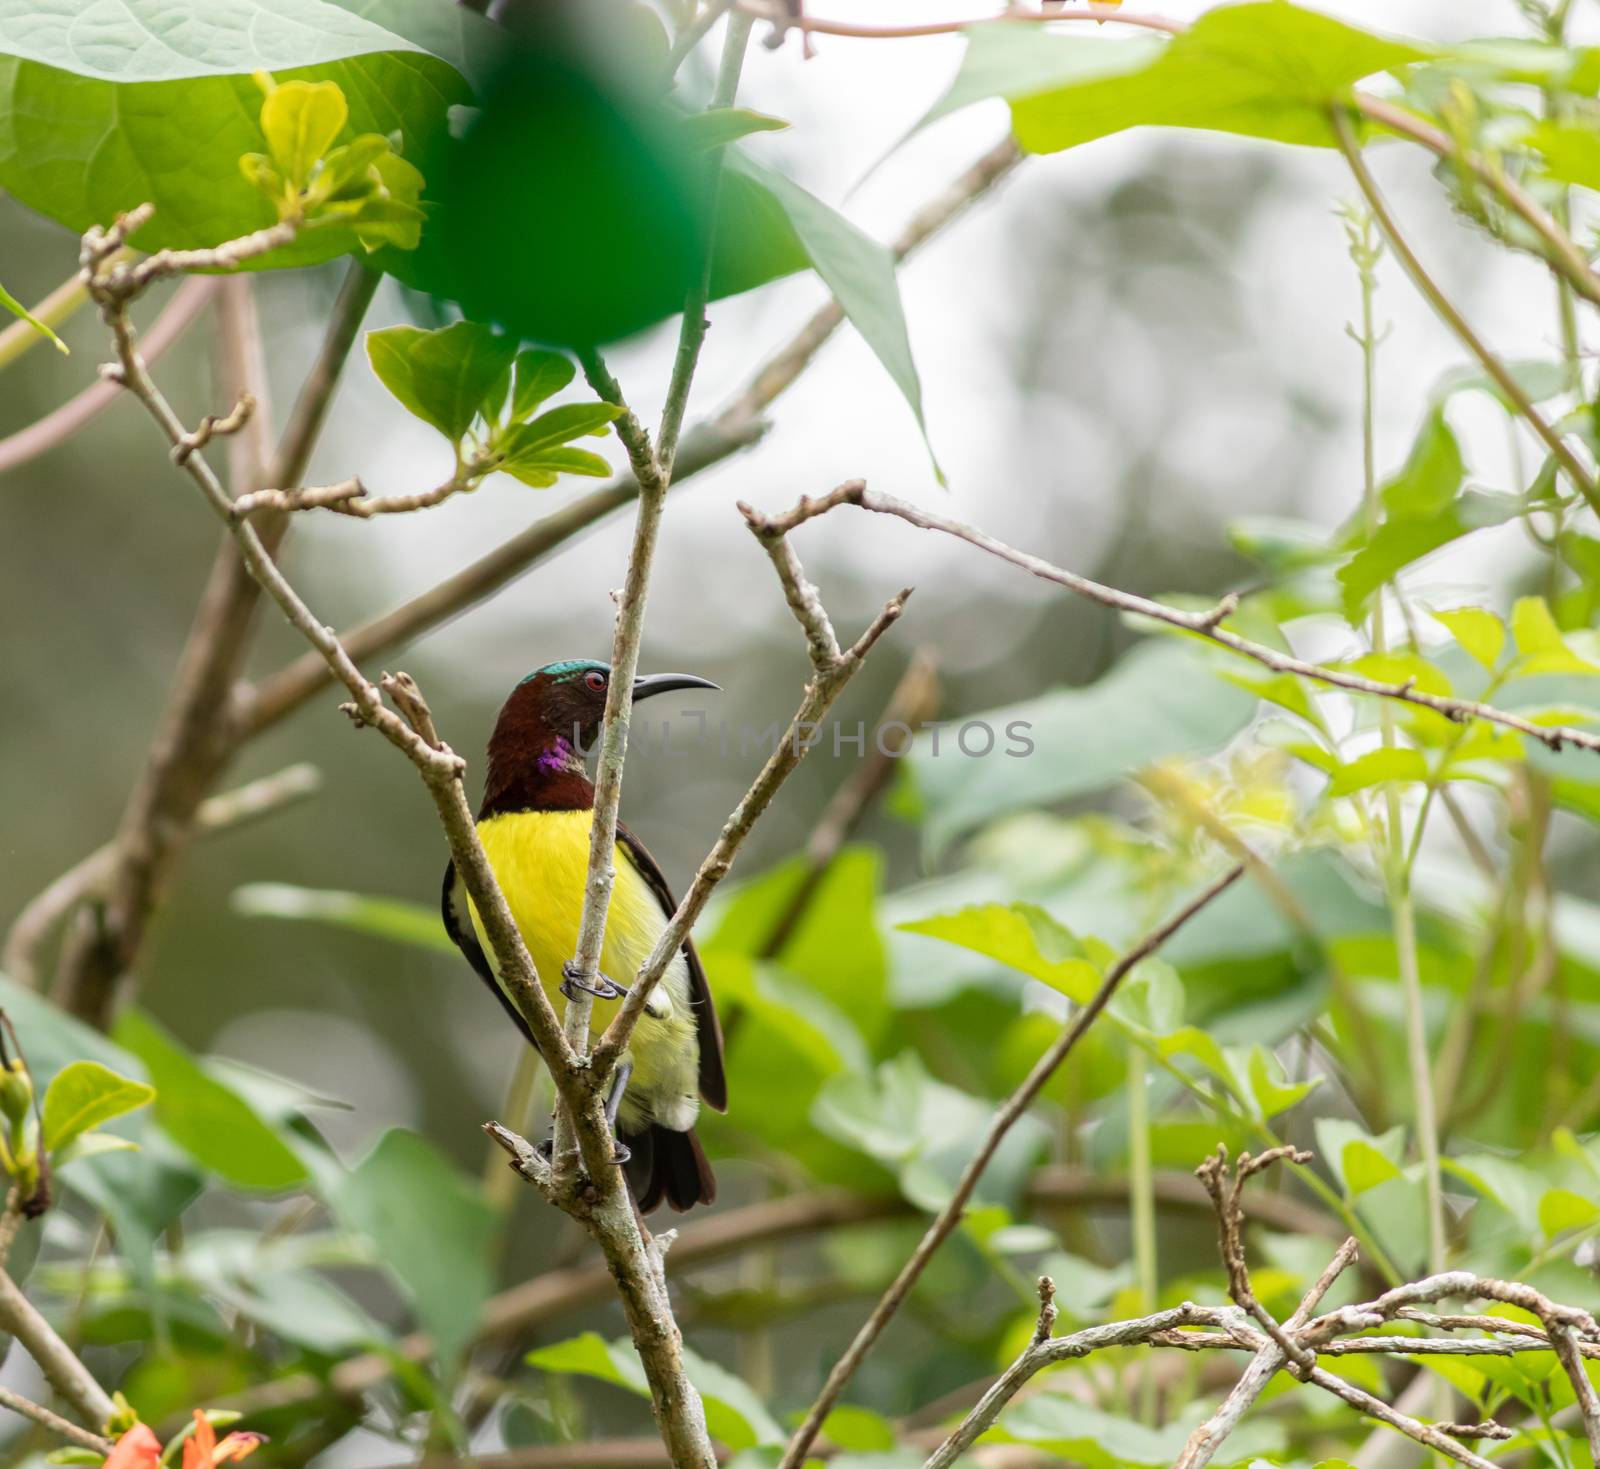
(783,19)
(87,881)
(1580,476)
(54,1422)
(652,468)
(59,1363)
(1205,624)
(63,423)
(735,427)
(198,731)
(349,497)
(913,703)
(831,671)
(1013,1108)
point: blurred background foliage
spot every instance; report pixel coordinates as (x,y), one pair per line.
(1132,362)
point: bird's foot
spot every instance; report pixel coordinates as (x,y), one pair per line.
(573,979)
(620,1152)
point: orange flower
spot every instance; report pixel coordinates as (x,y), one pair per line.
(202,1451)
(138,1448)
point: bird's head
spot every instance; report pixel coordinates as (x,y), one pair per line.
(565,701)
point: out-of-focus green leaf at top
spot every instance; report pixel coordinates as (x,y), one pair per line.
(157,103)
(1266,70)
(1541,648)
(430,1229)
(1162,699)
(1022,936)
(82,1096)
(213,1124)
(385,918)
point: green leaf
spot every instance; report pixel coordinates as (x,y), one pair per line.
(1365,1167)
(733,1412)
(1022,936)
(539,375)
(720,125)
(1400,541)
(1480,632)
(214,1125)
(1376,767)
(1265,70)
(16,308)
(1541,648)
(1273,1093)
(856,268)
(559,426)
(430,1229)
(300,120)
(157,102)
(82,1096)
(1571,152)
(1432,473)
(858,1430)
(445,376)
(385,918)
(1560,1209)
(541,467)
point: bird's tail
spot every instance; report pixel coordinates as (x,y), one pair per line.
(667,1165)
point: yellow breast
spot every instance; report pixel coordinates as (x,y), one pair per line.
(541,861)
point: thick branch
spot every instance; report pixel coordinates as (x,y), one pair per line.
(56,1359)
(1013,1108)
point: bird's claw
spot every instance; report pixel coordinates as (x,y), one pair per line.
(573,979)
(620,1152)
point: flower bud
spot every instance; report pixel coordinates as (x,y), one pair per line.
(16,1091)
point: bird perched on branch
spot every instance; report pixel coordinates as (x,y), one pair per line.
(535,821)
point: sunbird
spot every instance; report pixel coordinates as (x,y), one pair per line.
(535,821)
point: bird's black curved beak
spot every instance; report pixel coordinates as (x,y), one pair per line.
(664,683)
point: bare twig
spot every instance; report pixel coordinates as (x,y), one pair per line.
(784,19)
(349,497)
(54,1422)
(67,1375)
(831,668)
(1013,1108)
(1205,624)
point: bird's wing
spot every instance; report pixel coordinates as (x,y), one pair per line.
(713,1079)
(457,915)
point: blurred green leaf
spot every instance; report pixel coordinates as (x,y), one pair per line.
(858,1430)
(384,918)
(430,1229)
(734,1414)
(213,1124)
(1266,70)
(443,376)
(1398,543)
(1376,767)
(1480,632)
(1162,699)
(714,128)
(1560,1209)
(84,1095)
(1023,936)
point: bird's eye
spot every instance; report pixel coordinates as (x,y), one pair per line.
(595,680)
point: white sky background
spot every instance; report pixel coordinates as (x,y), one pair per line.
(964,300)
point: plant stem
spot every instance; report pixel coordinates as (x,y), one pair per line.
(1141,1198)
